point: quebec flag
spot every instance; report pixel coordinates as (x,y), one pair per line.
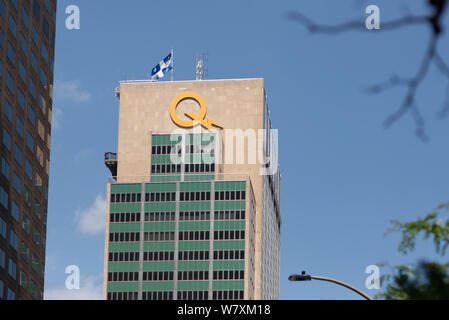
(162,68)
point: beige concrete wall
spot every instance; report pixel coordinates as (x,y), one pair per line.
(234,104)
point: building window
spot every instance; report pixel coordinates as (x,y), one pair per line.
(2,259)
(25,18)
(15,3)
(36,235)
(18,154)
(1,282)
(2,225)
(22,72)
(43,78)
(26,223)
(11,295)
(35,36)
(24,251)
(11,54)
(37,10)
(15,211)
(13,26)
(33,61)
(7,139)
(31,115)
(30,142)
(4,198)
(44,52)
(5,168)
(16,182)
(23,279)
(3,9)
(23,44)
(29,169)
(13,239)
(12,269)
(21,99)
(10,84)
(33,89)
(7,111)
(46,27)
(19,127)
(2,38)
(35,262)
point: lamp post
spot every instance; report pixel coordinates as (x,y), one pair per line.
(306,277)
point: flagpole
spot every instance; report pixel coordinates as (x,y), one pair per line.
(172,64)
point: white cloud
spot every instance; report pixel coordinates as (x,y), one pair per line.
(91,288)
(56,118)
(93,219)
(69,90)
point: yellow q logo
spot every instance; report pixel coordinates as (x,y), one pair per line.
(196,118)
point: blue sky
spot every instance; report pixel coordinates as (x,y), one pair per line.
(345,177)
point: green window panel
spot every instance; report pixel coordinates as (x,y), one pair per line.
(124,207)
(193,245)
(193,265)
(123,266)
(158,246)
(159,226)
(228,285)
(124,227)
(230,205)
(229,245)
(159,266)
(193,285)
(194,226)
(194,186)
(124,247)
(158,286)
(126,188)
(230,185)
(202,177)
(160,187)
(229,225)
(164,178)
(229,265)
(194,206)
(37,209)
(160,207)
(123,286)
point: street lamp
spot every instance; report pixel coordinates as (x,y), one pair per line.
(306,277)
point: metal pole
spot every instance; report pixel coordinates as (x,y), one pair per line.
(344,285)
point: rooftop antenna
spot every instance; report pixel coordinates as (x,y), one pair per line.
(201,70)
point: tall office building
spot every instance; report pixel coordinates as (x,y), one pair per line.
(27,41)
(193,205)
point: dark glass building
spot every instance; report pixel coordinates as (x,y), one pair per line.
(27,42)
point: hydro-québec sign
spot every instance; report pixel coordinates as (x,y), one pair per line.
(196,118)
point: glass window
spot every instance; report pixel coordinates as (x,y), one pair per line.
(2,261)
(26,223)
(37,10)
(13,240)
(15,3)
(27,195)
(1,66)
(10,84)
(35,36)
(43,77)
(13,26)
(47,5)
(46,27)
(21,99)
(23,279)
(44,52)
(2,225)
(33,61)
(25,17)
(33,89)
(11,54)
(2,38)
(5,168)
(7,139)
(12,269)
(23,44)
(19,126)
(3,9)
(4,198)
(22,72)
(24,251)
(8,110)
(18,154)
(36,235)
(31,115)
(17,182)
(29,169)
(11,295)
(1,289)
(30,142)
(15,211)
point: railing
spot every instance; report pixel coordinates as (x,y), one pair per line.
(110,156)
